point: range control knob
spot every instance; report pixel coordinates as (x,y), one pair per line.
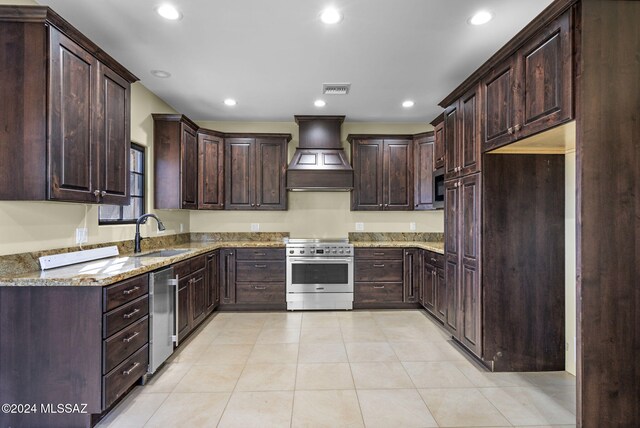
(291,251)
(341,251)
(301,251)
(333,251)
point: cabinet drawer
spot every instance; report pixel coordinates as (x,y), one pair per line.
(118,319)
(378,270)
(434,259)
(118,381)
(260,271)
(119,346)
(379,253)
(126,291)
(260,254)
(187,267)
(373,292)
(260,293)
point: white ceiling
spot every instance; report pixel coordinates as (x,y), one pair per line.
(273,56)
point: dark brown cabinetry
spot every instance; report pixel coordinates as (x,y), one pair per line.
(423,147)
(213,281)
(462,136)
(412,275)
(438,145)
(462,260)
(378,277)
(434,292)
(253,278)
(532,90)
(192,294)
(65,110)
(175,152)
(255,171)
(383,172)
(210,170)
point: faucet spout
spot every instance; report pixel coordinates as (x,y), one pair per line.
(141,220)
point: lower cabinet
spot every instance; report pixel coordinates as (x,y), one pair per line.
(212,289)
(252,278)
(192,293)
(434,292)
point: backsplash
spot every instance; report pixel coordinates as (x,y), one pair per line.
(238,236)
(396,236)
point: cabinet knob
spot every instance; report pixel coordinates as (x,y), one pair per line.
(380,205)
(510,130)
(184,202)
(386,205)
(517,128)
(253,205)
(257,205)
(416,205)
(103,193)
(96,192)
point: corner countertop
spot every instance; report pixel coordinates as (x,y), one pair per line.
(114,269)
(111,270)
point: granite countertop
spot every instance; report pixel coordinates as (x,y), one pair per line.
(114,269)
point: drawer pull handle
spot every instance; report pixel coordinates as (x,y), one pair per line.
(378,286)
(132,313)
(133,367)
(260,266)
(260,254)
(260,287)
(379,265)
(130,290)
(433,260)
(130,338)
(378,254)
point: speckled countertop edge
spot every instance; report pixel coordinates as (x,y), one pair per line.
(111,270)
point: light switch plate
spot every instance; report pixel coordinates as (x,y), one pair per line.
(412,226)
(359,227)
(255,227)
(81,235)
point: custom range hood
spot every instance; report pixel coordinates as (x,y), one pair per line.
(319,163)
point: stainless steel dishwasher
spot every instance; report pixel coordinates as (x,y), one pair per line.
(163,314)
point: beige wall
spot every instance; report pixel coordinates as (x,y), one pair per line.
(316,214)
(570,260)
(30,226)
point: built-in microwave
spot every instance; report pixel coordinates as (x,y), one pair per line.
(438,188)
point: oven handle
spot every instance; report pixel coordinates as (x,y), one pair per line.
(319,260)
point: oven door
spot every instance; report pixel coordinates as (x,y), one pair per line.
(319,275)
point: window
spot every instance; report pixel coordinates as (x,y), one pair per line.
(116,214)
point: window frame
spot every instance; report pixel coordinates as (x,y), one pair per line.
(143,196)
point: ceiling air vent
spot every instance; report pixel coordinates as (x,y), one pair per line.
(336,88)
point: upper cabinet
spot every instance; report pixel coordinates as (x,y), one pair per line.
(255,171)
(423,171)
(438,145)
(383,172)
(462,136)
(532,90)
(65,112)
(175,155)
(210,170)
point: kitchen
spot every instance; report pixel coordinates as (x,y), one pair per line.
(55,224)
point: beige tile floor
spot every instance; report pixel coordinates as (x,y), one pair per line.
(337,369)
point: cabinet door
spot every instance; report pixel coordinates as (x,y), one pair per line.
(189,167)
(441,294)
(452,254)
(438,146)
(73,152)
(423,174)
(113,136)
(184,297)
(366,157)
(210,172)
(451,142)
(470,293)
(429,290)
(198,297)
(397,170)
(545,84)
(470,133)
(412,274)
(227,277)
(213,287)
(270,165)
(498,112)
(239,181)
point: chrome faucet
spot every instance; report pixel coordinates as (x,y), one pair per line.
(143,219)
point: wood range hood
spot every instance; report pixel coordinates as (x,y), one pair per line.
(319,163)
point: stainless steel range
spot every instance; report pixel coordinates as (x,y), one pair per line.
(319,274)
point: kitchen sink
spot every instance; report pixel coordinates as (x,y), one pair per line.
(163,253)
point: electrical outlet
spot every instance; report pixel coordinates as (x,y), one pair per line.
(181,227)
(359,227)
(81,235)
(412,226)
(255,227)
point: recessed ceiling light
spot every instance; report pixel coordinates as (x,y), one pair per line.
(168,12)
(480,18)
(331,16)
(230,102)
(408,104)
(161,74)
(319,103)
